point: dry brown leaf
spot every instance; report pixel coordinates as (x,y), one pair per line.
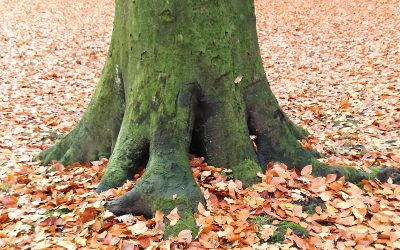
(209,240)
(347,221)
(306,171)
(139,228)
(173,216)
(185,236)
(49,76)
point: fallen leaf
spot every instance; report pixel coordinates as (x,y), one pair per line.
(173,216)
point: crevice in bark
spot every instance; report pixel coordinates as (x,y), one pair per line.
(167,181)
(276,142)
(126,160)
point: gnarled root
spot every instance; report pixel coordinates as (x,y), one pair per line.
(167,184)
(96,134)
(384,174)
(277,136)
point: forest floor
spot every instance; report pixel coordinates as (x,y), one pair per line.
(334,67)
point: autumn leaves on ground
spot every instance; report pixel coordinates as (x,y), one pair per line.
(334,67)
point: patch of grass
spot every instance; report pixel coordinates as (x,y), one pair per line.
(59,211)
(52,169)
(5,187)
(262,220)
(310,204)
(279,234)
(228,173)
(31,225)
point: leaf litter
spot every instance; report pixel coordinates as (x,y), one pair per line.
(334,69)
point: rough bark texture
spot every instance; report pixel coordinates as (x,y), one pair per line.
(183,76)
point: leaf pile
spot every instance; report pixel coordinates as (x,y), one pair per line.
(333,67)
(43,208)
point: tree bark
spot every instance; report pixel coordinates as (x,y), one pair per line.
(183,76)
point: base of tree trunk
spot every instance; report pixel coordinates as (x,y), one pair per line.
(180,79)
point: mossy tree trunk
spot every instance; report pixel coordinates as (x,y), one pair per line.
(183,76)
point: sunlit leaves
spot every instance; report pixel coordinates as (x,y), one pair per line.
(329,74)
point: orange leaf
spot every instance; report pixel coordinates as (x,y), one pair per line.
(139,228)
(344,205)
(200,208)
(88,214)
(306,171)
(325,196)
(110,240)
(330,178)
(209,240)
(347,221)
(97,226)
(159,217)
(185,236)
(8,200)
(127,245)
(173,216)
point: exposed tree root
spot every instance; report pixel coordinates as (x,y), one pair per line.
(131,152)
(97,132)
(277,140)
(298,132)
(159,182)
(384,174)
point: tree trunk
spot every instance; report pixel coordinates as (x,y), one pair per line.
(183,76)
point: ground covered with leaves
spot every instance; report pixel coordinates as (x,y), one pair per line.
(334,67)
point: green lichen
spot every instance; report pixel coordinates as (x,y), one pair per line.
(280,232)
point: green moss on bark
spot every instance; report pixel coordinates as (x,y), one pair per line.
(351,174)
(247,172)
(374,172)
(185,211)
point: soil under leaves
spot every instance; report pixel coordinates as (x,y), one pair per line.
(333,67)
